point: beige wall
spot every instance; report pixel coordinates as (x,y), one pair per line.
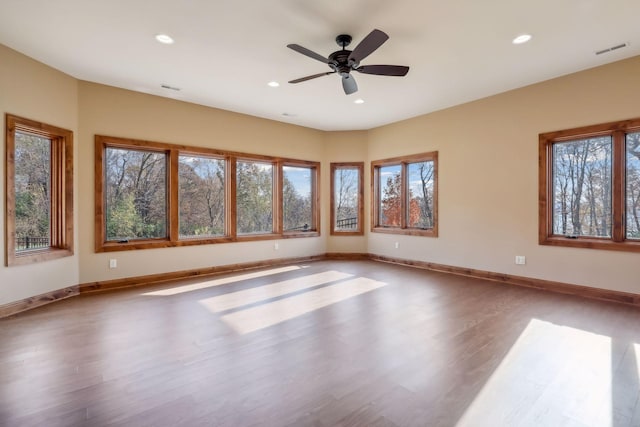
(35,91)
(115,112)
(488,171)
(488,174)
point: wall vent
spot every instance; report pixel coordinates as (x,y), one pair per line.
(612,48)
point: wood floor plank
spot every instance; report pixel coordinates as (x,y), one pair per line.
(328,343)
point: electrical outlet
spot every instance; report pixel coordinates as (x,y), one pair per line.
(113,263)
(521,260)
(397,245)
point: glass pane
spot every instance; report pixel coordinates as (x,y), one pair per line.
(297,202)
(390,186)
(136,194)
(32,192)
(582,187)
(254,196)
(345,198)
(633,185)
(201,196)
(420,207)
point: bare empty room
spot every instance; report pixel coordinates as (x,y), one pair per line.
(311,213)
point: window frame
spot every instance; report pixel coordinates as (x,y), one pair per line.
(403,161)
(61,170)
(173,151)
(359,166)
(618,241)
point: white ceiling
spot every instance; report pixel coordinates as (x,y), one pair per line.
(225,52)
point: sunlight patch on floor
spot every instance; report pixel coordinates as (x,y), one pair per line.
(269,314)
(261,293)
(552,375)
(222,281)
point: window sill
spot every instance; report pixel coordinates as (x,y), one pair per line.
(39,255)
(165,243)
(406,231)
(591,243)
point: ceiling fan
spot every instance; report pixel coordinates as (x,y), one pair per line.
(344,61)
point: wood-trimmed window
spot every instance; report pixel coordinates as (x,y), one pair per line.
(347,194)
(151,194)
(589,187)
(39,191)
(405,195)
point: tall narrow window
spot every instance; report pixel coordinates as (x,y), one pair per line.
(39,198)
(298,201)
(390,196)
(136,194)
(201,196)
(254,197)
(405,195)
(347,208)
(590,187)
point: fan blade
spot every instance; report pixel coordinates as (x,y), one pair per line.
(384,70)
(366,47)
(349,84)
(304,79)
(309,53)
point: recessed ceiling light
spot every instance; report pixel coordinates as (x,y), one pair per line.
(273,84)
(522,38)
(163,38)
(359,101)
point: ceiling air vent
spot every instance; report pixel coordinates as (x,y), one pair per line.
(612,48)
(170,87)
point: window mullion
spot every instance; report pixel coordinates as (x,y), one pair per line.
(618,184)
(232,203)
(404,196)
(278,199)
(173,210)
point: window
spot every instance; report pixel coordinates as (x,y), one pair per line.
(201,194)
(254,197)
(405,195)
(136,194)
(39,192)
(298,198)
(151,194)
(590,187)
(347,191)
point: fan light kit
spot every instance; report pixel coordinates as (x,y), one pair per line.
(344,61)
(359,101)
(165,39)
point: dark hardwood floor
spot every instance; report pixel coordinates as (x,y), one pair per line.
(329,343)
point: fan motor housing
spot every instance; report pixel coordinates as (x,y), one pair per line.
(339,61)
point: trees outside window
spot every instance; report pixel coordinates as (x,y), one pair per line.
(633,185)
(297,198)
(254,197)
(136,194)
(347,208)
(590,187)
(39,191)
(201,196)
(405,195)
